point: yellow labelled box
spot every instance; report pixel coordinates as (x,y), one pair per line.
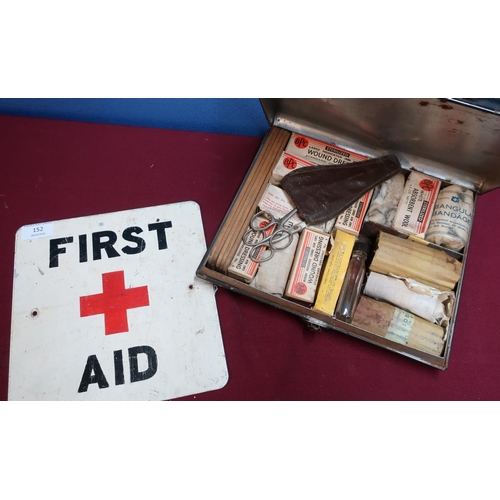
(334,272)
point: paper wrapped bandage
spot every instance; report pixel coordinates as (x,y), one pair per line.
(422,300)
(401,257)
(451,221)
(273,274)
(397,325)
(385,201)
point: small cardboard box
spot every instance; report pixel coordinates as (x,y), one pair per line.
(452,140)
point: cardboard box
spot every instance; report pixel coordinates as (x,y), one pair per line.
(320,152)
(420,132)
(351,221)
(334,272)
(416,205)
(307,266)
(286,164)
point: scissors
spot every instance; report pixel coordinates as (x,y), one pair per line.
(278,234)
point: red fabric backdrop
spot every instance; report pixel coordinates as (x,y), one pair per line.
(53,170)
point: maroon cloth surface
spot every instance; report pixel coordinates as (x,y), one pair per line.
(52,170)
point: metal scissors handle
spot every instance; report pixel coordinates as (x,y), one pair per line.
(276,231)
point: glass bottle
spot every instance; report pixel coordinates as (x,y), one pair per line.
(351,288)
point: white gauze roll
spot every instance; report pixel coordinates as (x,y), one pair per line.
(422,300)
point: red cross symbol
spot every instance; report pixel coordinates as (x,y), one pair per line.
(114,301)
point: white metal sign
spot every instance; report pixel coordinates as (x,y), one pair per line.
(108,307)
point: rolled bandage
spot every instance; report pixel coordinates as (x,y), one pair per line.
(451,220)
(399,326)
(396,256)
(422,300)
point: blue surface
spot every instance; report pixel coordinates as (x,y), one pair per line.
(225,116)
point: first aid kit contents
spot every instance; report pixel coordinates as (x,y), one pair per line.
(411,227)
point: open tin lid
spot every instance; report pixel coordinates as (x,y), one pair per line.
(456,140)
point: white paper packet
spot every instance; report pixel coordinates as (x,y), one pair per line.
(422,300)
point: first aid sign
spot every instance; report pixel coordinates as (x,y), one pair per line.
(108,307)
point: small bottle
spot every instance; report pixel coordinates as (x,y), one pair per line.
(351,288)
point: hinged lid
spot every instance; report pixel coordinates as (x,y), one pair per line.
(456,140)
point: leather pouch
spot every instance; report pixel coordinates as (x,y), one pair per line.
(323,192)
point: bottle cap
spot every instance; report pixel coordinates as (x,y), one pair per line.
(363,245)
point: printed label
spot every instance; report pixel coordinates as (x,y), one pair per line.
(416,205)
(277,203)
(351,220)
(334,273)
(35,231)
(287,163)
(94,303)
(307,265)
(400,327)
(320,153)
(450,224)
